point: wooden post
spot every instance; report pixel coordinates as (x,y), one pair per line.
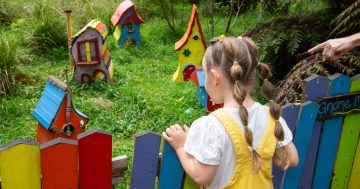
(348,143)
(69,30)
(145,160)
(95,153)
(330,135)
(20,165)
(119,166)
(59,164)
(171,171)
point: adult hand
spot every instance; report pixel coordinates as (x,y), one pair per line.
(176,136)
(333,49)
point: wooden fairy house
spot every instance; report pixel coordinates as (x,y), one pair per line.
(190,48)
(205,100)
(56,114)
(91,54)
(127,24)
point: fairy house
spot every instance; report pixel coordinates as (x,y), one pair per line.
(190,48)
(91,54)
(56,114)
(127,24)
(199,79)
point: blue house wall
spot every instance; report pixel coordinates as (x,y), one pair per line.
(124,31)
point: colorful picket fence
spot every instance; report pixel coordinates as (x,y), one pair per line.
(85,163)
(326,129)
(325,126)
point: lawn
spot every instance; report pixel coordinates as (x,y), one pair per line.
(142,96)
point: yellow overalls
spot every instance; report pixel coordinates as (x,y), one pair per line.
(244,177)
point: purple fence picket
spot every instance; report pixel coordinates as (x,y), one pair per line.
(145,160)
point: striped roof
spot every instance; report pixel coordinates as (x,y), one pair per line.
(93,24)
(49,104)
(50,101)
(121,11)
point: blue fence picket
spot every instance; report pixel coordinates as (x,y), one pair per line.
(145,161)
(290,113)
(314,87)
(330,136)
(302,138)
(171,171)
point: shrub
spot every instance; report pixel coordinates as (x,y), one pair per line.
(49,28)
(8,61)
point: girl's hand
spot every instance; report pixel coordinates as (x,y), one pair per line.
(176,136)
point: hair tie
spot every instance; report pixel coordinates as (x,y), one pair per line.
(237,81)
(251,148)
(221,38)
(236,62)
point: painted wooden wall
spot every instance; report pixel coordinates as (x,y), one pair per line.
(329,155)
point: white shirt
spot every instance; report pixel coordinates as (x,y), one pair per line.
(209,142)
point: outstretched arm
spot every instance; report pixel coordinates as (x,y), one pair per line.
(334,48)
(201,173)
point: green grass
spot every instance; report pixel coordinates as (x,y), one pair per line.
(142,97)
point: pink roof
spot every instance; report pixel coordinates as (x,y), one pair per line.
(121,11)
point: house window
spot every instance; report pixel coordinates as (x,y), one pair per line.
(196,37)
(88,51)
(130,27)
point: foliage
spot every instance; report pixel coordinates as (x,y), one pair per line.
(8,61)
(290,87)
(49,28)
(347,22)
(281,39)
(169,13)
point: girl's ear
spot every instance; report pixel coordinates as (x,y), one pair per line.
(215,76)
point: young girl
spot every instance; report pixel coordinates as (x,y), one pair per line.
(234,147)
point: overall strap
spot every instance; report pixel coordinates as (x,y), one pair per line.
(236,134)
(268,144)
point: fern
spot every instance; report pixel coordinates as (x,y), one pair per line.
(295,39)
(347,22)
